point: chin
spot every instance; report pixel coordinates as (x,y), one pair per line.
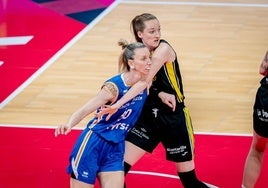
(155,45)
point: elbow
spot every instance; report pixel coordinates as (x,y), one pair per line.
(263,71)
(145,83)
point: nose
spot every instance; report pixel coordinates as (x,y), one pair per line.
(158,34)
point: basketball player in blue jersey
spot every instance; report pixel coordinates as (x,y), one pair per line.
(99,150)
(164,117)
(259,144)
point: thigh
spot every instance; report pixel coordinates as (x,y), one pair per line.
(111,179)
(78,184)
(132,153)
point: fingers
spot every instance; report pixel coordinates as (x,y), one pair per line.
(108,116)
(174,106)
(68,130)
(173,101)
(98,117)
(106,109)
(62,130)
(57,132)
(170,102)
(168,99)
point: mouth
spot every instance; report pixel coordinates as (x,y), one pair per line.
(156,42)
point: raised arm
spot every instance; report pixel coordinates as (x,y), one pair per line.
(161,55)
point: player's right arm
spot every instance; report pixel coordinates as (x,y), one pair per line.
(108,93)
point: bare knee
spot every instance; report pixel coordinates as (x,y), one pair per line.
(185,166)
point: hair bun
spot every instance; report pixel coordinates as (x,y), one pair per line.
(123,43)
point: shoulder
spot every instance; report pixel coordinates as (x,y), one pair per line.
(114,78)
(113,84)
(164,46)
(165,50)
(111,87)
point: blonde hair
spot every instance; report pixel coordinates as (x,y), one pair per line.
(127,54)
(121,66)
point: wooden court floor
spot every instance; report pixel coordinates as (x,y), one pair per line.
(219,45)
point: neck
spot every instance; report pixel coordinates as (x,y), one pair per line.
(131,78)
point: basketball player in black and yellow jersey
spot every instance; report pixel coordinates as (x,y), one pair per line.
(164,117)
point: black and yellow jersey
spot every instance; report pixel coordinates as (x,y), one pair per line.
(167,79)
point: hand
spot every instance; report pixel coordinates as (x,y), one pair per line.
(168,99)
(106,109)
(62,129)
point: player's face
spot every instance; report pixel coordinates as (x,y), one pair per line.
(151,35)
(142,62)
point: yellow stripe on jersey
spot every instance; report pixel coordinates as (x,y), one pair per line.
(190,128)
(82,148)
(173,79)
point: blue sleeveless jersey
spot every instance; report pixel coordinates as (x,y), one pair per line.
(116,128)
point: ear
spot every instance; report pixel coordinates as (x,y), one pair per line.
(139,34)
(131,64)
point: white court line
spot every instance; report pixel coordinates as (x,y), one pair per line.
(36,126)
(199,4)
(18,40)
(81,128)
(154,174)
